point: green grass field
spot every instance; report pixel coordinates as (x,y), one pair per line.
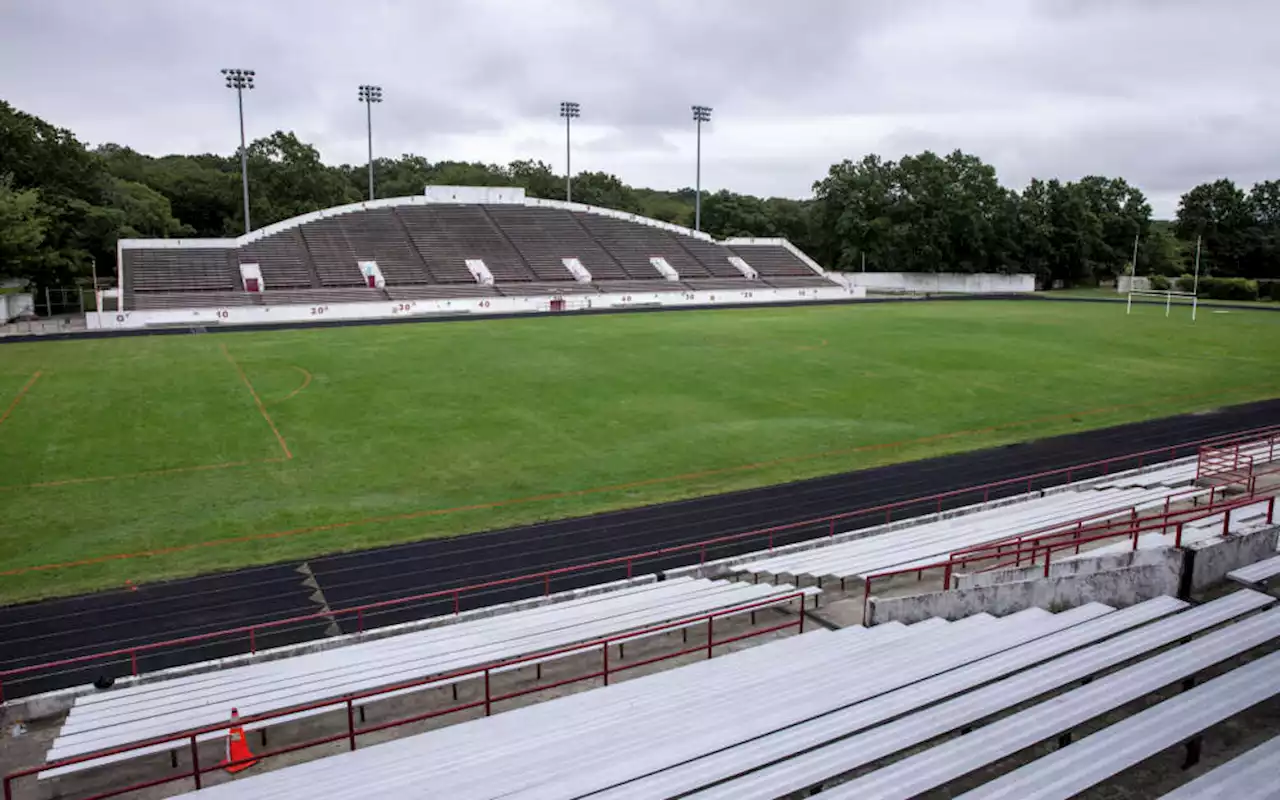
(157,445)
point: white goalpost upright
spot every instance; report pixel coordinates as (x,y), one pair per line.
(1169,294)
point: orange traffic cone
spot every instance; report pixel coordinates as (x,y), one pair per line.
(238,747)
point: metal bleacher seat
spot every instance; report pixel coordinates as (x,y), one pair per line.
(154,301)
(1257,574)
(133,714)
(725,284)
(1252,775)
(926,543)
(797,281)
(188,269)
(955,758)
(1102,755)
(632,245)
(772,260)
(283,259)
(446,235)
(378,235)
(545,236)
(713,257)
(334,258)
(443,291)
(604,740)
(560,287)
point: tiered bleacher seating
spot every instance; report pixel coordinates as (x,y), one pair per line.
(440,292)
(523,247)
(283,259)
(1251,775)
(561,287)
(451,234)
(154,301)
(930,542)
(712,256)
(378,235)
(772,260)
(544,236)
(182,270)
(794,715)
(327,294)
(137,713)
(632,245)
(331,252)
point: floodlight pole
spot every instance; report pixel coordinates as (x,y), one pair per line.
(1195,284)
(569,110)
(241,79)
(701,114)
(370,95)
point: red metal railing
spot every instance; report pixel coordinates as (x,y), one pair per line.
(250,634)
(1237,455)
(1072,539)
(484,672)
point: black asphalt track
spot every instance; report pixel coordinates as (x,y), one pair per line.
(56,629)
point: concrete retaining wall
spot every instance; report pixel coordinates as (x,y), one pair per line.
(1119,588)
(1213,559)
(1120,579)
(1059,569)
(933,282)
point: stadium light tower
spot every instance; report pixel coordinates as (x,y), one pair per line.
(370,95)
(241,79)
(701,114)
(569,111)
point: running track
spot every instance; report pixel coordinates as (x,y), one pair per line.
(55,629)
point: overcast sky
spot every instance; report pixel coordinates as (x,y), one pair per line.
(1167,93)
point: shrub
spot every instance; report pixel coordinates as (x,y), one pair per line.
(1160,283)
(1228,288)
(1270,289)
(1186,283)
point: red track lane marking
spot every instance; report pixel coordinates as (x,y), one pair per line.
(437,512)
(26,387)
(258,401)
(306,381)
(145,474)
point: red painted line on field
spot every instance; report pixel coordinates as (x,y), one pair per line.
(131,475)
(258,401)
(26,387)
(306,381)
(436,512)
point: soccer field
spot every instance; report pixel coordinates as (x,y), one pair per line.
(196,453)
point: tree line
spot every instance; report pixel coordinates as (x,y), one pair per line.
(63,205)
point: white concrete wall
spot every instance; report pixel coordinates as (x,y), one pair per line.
(13,306)
(903,282)
(1072,566)
(385,309)
(1216,557)
(1145,574)
(1118,588)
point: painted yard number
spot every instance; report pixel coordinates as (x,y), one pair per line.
(318,310)
(402,307)
(222,313)
(484,303)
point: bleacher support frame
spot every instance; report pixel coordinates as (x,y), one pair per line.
(766,537)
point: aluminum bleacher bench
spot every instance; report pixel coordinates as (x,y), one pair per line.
(1252,775)
(1256,574)
(845,755)
(536,748)
(1102,755)
(123,716)
(786,743)
(953,759)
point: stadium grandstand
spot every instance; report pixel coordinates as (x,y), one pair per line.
(1058,616)
(491,248)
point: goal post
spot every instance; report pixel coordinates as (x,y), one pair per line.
(1168,296)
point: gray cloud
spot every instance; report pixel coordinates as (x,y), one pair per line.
(1166,93)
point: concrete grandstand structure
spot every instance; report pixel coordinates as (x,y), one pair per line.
(451,250)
